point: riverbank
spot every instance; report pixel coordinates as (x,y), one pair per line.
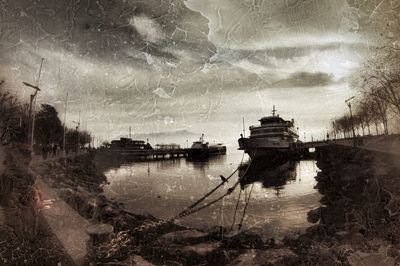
(357,222)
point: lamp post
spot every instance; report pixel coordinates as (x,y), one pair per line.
(32,103)
(351,118)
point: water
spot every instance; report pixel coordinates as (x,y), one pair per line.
(279,202)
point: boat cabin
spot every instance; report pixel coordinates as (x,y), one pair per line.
(127,143)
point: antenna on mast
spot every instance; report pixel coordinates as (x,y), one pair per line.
(244,130)
(273,111)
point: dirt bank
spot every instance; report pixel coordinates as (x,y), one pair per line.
(25,238)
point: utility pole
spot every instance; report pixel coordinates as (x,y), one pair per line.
(77,133)
(65,120)
(351,119)
(32,103)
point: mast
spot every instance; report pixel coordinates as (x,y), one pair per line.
(244,130)
(273,111)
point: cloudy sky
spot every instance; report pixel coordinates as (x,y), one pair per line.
(196,65)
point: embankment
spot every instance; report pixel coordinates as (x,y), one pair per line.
(25,238)
(358,221)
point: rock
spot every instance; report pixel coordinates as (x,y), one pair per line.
(203,253)
(313,216)
(148,216)
(342,235)
(202,249)
(190,236)
(136,260)
(271,257)
(244,239)
(379,258)
(317,229)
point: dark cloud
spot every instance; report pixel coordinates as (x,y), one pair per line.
(160,64)
(104,29)
(305,79)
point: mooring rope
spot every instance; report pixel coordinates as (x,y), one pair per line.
(236,208)
(245,206)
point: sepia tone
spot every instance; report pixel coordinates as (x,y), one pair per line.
(189,132)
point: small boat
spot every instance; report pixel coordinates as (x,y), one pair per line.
(202,149)
(273,137)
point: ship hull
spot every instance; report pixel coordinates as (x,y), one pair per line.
(265,148)
(206,152)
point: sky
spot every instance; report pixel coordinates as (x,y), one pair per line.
(199,66)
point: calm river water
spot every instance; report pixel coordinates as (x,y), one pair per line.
(279,202)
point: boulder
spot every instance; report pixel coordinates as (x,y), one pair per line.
(203,253)
(137,260)
(282,256)
(243,239)
(190,236)
(379,258)
(313,216)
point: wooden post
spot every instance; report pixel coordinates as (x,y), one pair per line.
(99,233)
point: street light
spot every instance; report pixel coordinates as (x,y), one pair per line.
(351,117)
(31,118)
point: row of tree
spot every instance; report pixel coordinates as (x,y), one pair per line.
(14,124)
(379,104)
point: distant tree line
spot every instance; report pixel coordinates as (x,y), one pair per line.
(379,85)
(14,124)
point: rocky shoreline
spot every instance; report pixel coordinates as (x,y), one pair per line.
(357,222)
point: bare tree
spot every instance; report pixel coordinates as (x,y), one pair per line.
(381,77)
(13,119)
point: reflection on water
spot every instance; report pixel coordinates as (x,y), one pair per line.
(274,176)
(281,196)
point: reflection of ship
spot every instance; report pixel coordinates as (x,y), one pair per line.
(271,175)
(202,149)
(129,147)
(273,137)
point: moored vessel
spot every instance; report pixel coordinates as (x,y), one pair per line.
(202,149)
(274,137)
(129,147)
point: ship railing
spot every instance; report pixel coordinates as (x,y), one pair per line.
(287,124)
